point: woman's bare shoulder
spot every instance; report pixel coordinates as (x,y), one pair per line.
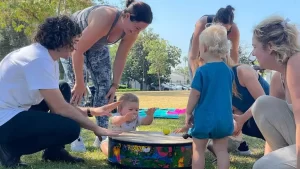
(245,68)
(103,13)
(245,71)
(293,64)
(292,59)
(235,33)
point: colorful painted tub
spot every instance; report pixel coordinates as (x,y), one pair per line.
(147,150)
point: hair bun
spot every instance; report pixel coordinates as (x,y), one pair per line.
(229,8)
(128,2)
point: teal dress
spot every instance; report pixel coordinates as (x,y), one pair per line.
(213,118)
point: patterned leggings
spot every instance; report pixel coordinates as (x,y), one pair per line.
(97,63)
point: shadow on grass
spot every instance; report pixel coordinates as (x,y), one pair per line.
(256,156)
(89,164)
(210,163)
(241,165)
(95,159)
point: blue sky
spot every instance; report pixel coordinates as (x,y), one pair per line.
(174,20)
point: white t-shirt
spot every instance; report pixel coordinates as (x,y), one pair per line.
(22,73)
(127,126)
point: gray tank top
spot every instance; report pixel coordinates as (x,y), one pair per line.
(81,17)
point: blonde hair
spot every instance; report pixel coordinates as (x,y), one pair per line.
(129,97)
(282,35)
(215,38)
(230,63)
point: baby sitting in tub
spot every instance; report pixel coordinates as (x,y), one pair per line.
(127,118)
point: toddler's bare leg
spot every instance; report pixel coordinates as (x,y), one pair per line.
(221,150)
(199,147)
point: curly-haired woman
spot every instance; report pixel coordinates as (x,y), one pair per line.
(30,88)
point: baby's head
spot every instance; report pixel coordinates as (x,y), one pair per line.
(130,103)
(214,42)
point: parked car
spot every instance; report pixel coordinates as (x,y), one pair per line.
(176,86)
(166,86)
(186,87)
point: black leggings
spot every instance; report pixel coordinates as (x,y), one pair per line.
(36,129)
(250,129)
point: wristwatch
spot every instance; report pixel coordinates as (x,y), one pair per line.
(89,112)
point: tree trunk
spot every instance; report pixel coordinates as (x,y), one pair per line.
(65,6)
(159,82)
(58,7)
(61,70)
(141,85)
(128,83)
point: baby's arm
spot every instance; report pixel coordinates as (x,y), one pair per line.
(119,120)
(149,118)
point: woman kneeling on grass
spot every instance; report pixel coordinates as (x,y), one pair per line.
(276,46)
(212,85)
(29,87)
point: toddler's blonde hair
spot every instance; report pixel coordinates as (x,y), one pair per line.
(129,97)
(215,39)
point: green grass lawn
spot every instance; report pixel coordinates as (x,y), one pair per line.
(174,99)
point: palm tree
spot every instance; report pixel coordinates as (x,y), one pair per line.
(185,59)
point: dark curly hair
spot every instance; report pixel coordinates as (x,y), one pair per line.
(57,32)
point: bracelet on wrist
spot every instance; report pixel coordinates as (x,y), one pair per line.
(115,85)
(89,112)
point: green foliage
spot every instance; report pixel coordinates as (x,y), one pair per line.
(245,59)
(113,51)
(127,90)
(157,56)
(20,18)
(122,86)
(11,40)
(140,60)
(25,15)
(244,56)
(183,71)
